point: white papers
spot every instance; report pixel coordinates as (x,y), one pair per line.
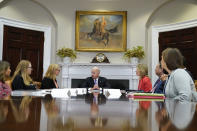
(60,93)
(112,93)
(81,91)
(28,93)
(66,93)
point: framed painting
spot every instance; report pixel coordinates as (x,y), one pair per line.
(101,31)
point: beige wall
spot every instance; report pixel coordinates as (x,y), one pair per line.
(175,11)
(64,13)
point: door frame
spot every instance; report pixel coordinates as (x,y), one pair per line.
(30,26)
(155,40)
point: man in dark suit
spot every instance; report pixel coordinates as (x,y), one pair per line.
(96,82)
(160,83)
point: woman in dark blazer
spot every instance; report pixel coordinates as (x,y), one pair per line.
(49,80)
(21,79)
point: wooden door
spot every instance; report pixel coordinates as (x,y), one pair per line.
(25,44)
(186,41)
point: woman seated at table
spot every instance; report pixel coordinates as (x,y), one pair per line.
(21,79)
(144,80)
(5,89)
(49,80)
(180,84)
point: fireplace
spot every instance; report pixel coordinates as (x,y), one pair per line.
(114,83)
(120,76)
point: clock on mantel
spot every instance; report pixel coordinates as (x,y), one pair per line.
(100,58)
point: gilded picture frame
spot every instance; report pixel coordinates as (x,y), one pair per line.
(104,31)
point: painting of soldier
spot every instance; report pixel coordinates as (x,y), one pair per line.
(100,31)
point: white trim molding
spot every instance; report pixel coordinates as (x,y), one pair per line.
(155,39)
(31,26)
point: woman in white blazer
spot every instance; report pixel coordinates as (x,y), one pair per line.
(179,84)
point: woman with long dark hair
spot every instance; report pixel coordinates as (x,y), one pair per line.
(5,89)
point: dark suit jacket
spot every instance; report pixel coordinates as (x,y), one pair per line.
(159,86)
(47,83)
(18,84)
(102,83)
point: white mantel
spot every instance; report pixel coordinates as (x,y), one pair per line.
(110,71)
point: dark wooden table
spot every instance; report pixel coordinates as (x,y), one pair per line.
(95,112)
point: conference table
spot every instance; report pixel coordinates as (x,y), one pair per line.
(82,110)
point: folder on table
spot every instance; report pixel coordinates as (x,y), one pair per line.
(145,96)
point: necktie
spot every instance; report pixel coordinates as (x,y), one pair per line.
(95,81)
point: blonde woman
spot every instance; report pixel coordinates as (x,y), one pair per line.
(21,79)
(49,80)
(144,80)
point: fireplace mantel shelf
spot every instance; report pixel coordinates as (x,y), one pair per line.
(96,64)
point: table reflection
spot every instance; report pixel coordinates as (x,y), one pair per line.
(20,108)
(3,111)
(162,117)
(18,113)
(95,99)
(95,111)
(50,106)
